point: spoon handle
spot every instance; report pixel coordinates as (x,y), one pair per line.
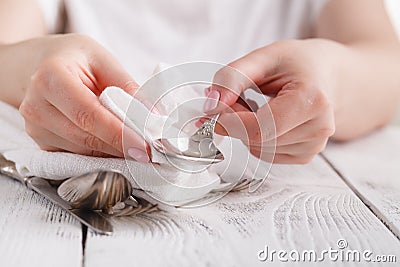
(207,129)
(8,168)
(213,121)
(41,186)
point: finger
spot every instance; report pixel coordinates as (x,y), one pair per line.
(299,153)
(295,105)
(83,108)
(207,90)
(289,109)
(51,142)
(109,72)
(55,122)
(236,107)
(246,103)
(243,125)
(219,128)
(287,159)
(247,72)
(251,127)
(322,127)
(314,146)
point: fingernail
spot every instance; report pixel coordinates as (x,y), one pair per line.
(138,155)
(212,101)
(207,90)
(198,124)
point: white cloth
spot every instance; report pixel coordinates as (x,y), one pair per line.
(142,33)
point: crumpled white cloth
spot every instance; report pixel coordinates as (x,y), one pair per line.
(163,182)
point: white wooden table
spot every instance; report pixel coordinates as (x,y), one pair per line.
(349,193)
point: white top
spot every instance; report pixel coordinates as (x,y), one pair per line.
(143,33)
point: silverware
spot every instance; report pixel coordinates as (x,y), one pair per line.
(90,218)
(108,191)
(197,150)
(130,210)
(98,190)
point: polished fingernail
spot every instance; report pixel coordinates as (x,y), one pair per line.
(138,155)
(212,101)
(207,90)
(198,124)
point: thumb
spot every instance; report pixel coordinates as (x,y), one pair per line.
(255,132)
(247,72)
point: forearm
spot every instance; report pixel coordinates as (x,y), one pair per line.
(365,56)
(20,20)
(366,87)
(18,63)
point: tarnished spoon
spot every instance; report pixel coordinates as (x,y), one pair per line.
(100,190)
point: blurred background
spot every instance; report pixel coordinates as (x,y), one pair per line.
(393,7)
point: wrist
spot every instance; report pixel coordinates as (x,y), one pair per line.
(19,61)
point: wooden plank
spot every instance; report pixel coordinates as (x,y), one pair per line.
(299,207)
(371,167)
(34,232)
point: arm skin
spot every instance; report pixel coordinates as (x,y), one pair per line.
(55,81)
(343,83)
(19,20)
(367,92)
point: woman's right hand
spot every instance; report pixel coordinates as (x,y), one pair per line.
(60,103)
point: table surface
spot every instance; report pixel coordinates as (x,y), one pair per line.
(346,199)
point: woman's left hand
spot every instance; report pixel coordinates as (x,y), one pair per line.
(298,76)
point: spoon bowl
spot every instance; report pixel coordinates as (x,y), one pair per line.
(203,152)
(196,150)
(99,190)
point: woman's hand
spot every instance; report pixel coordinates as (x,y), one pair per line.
(297,75)
(60,105)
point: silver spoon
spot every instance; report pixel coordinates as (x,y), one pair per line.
(99,190)
(198,149)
